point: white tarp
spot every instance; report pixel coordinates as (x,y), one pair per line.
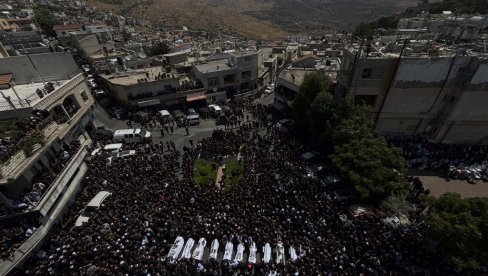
(198,253)
(252,253)
(214,249)
(239,254)
(187,251)
(229,247)
(176,248)
(267,253)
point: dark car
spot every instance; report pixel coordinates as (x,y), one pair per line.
(119,113)
(102,135)
(204,112)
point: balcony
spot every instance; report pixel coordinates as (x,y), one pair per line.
(54,201)
(47,102)
(16,164)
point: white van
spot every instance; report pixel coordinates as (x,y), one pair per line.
(132,135)
(93,205)
(110,148)
(215,109)
(164,114)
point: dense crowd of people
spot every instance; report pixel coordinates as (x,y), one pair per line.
(454,160)
(10,145)
(13,235)
(154,199)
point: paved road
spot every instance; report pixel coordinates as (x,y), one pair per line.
(179,137)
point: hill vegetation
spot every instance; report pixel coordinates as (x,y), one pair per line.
(258,19)
(463,6)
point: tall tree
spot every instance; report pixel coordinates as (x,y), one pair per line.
(46,20)
(461,228)
(371,167)
(312,85)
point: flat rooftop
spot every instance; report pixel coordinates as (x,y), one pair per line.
(244,53)
(295,76)
(132,77)
(214,66)
(27,94)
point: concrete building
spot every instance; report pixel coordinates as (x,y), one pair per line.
(35,85)
(226,78)
(153,86)
(436,91)
(307,61)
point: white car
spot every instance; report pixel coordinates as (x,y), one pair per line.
(92,206)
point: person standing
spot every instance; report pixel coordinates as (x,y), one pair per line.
(187,130)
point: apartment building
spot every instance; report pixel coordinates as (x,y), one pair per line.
(153,86)
(421,88)
(225,78)
(45,111)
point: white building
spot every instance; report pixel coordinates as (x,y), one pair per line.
(50,89)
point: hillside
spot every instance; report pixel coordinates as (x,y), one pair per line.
(258,19)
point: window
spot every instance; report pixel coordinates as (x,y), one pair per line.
(229,78)
(246,75)
(373,73)
(213,81)
(247,59)
(84,96)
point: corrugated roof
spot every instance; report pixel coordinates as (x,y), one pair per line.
(306,57)
(5,79)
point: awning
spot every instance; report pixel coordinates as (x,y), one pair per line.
(195,98)
(148,103)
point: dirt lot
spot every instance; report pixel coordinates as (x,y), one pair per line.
(439,185)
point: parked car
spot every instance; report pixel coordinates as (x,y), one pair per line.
(216,110)
(110,148)
(101,134)
(139,117)
(285,125)
(92,206)
(310,156)
(358,210)
(132,135)
(204,112)
(192,117)
(119,113)
(86,68)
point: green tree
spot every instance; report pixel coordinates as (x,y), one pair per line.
(461,228)
(159,49)
(312,85)
(364,30)
(464,6)
(46,19)
(359,124)
(373,168)
(396,204)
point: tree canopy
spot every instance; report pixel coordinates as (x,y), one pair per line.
(367,163)
(312,85)
(46,19)
(367,29)
(464,6)
(461,228)
(373,168)
(158,49)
